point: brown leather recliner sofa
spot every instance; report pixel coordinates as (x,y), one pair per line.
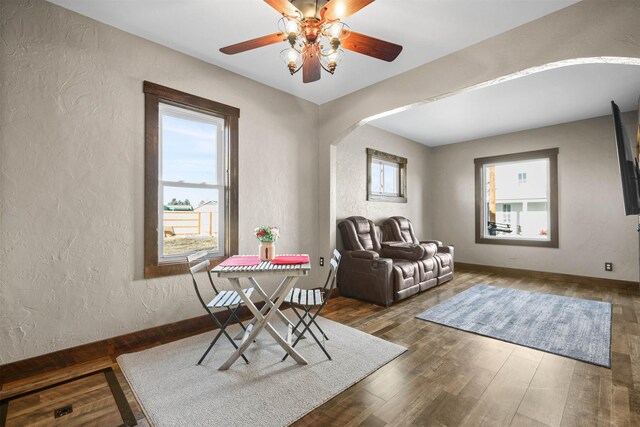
(383,272)
(399,228)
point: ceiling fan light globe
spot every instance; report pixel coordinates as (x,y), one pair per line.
(291,27)
(292,59)
(335,29)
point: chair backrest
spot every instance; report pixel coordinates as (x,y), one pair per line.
(331,277)
(399,229)
(359,233)
(198,262)
(331,280)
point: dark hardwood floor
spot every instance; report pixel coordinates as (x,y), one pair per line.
(446,378)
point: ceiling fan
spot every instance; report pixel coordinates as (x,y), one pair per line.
(316,35)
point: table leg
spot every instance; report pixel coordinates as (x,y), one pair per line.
(282,341)
(263,322)
(269,300)
(268,303)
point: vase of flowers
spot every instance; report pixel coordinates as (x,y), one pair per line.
(267,236)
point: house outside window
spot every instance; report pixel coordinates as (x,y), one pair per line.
(516,199)
(386,177)
(191,169)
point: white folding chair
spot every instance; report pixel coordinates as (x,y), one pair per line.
(230,300)
(309,299)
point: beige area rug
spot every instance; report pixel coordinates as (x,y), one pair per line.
(174,391)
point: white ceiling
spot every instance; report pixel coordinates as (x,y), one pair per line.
(550,97)
(427,29)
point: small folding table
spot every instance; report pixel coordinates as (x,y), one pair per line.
(252,268)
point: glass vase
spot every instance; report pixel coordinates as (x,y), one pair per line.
(267,251)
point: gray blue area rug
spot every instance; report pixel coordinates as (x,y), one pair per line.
(571,327)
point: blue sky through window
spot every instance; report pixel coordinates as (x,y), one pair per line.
(189,155)
(188,150)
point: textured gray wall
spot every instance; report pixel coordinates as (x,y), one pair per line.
(593,227)
(72,183)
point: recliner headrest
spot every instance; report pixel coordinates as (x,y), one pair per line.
(361,224)
(402,222)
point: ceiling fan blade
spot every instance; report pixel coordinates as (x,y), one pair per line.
(371,46)
(341,9)
(311,66)
(282,6)
(253,43)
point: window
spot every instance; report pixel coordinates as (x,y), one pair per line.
(522,178)
(386,177)
(508,212)
(191,169)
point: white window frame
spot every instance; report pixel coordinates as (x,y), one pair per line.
(187,114)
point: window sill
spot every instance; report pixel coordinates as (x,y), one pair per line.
(383,198)
(552,243)
(172,268)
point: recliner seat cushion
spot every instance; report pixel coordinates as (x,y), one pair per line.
(405,273)
(445,264)
(428,269)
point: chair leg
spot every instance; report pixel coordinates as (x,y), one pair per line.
(210,347)
(298,325)
(233,313)
(313,320)
(300,321)
(307,313)
(223,330)
(307,328)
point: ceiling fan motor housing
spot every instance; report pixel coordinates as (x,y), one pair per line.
(310,8)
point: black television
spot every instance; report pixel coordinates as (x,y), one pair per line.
(628,160)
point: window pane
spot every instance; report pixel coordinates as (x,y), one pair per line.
(189,149)
(390,178)
(516,199)
(190,220)
(375,176)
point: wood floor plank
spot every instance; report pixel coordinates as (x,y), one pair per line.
(499,402)
(546,396)
(582,405)
(520,420)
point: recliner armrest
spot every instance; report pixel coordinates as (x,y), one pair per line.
(407,251)
(436,242)
(370,255)
(445,249)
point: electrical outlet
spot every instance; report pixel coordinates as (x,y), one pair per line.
(321,261)
(608,266)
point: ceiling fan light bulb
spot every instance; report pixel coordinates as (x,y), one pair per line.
(335,30)
(292,27)
(292,56)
